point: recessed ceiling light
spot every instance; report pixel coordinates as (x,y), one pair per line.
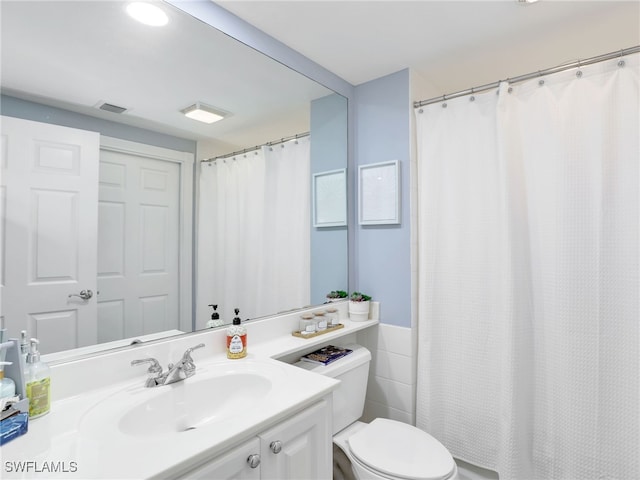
(526,2)
(148,14)
(204,113)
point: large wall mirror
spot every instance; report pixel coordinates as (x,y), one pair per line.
(129,241)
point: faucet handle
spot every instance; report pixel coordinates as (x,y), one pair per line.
(186,357)
(188,365)
(154,371)
(153,368)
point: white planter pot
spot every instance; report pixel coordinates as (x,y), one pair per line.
(359,311)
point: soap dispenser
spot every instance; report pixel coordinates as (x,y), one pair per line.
(215,321)
(236,338)
(24,348)
(7,386)
(38,380)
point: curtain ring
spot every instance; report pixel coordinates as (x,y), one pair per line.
(472,97)
(621,62)
(420,111)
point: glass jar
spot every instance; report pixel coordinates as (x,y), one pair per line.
(307,324)
(332,316)
(321,321)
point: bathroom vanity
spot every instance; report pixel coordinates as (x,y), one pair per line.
(293,449)
(257,417)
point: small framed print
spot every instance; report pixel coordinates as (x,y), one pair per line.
(329,190)
(379,193)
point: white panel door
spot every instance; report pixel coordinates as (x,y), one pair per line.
(49,193)
(138,246)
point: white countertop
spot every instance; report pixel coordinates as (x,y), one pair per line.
(63,440)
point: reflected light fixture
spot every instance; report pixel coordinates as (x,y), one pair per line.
(203,113)
(147,13)
(526,2)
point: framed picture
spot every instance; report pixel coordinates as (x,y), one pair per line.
(379,193)
(329,190)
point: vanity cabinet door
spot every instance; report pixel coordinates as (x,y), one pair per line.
(238,464)
(299,448)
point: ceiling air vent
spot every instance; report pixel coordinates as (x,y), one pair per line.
(112,108)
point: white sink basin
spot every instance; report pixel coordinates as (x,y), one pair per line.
(215,393)
(178,408)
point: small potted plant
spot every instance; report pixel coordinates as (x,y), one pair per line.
(336,295)
(359,307)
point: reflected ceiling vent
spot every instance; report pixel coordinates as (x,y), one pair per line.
(109,107)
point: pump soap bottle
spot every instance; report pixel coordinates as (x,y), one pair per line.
(38,380)
(236,338)
(215,321)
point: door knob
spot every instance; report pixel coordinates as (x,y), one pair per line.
(84,294)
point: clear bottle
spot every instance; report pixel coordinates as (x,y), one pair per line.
(38,381)
(24,348)
(236,339)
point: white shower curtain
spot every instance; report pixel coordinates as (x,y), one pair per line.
(529,338)
(253,249)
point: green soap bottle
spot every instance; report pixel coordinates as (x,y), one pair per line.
(38,380)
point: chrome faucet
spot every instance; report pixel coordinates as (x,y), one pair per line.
(184,368)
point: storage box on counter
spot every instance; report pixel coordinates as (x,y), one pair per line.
(15,421)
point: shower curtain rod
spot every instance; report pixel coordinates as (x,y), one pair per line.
(257,147)
(528,76)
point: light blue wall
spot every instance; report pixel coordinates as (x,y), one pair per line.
(329,248)
(383,133)
(15,107)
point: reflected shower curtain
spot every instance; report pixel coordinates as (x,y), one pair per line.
(529,338)
(253,233)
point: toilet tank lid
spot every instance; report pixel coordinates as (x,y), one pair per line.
(359,356)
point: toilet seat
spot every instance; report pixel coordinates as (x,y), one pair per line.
(399,450)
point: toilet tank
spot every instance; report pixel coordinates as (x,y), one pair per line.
(353,373)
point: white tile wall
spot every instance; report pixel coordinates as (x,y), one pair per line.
(392,383)
(391,388)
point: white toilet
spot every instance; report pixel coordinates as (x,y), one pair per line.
(383,449)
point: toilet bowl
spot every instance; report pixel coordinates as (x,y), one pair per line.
(383,449)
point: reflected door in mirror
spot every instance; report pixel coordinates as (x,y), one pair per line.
(49,223)
(138,245)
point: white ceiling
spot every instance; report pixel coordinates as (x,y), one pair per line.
(77,54)
(452,45)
